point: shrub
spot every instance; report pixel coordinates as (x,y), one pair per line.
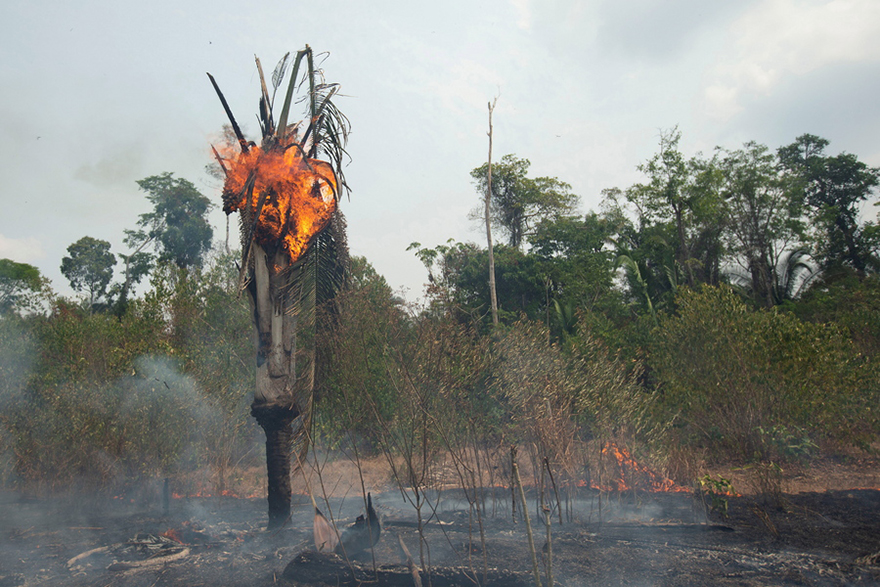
(737,380)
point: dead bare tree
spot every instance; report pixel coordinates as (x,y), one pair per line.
(488,201)
(293,250)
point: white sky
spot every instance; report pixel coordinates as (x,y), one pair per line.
(96,95)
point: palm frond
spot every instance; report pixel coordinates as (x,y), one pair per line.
(278,74)
(796,271)
(266,123)
(235,128)
(291,87)
(331,130)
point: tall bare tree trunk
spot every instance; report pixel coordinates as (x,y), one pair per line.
(492,295)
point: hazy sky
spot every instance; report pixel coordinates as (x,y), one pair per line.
(96,95)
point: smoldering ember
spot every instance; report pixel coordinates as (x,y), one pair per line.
(680,390)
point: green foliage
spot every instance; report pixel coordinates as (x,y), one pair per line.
(403,385)
(77,346)
(578,269)
(178,226)
(208,326)
(683,196)
(21,287)
(63,417)
(764,212)
(459,285)
(718,489)
(850,302)
(728,374)
(834,187)
(89,267)
(158,390)
(520,202)
(354,386)
(647,257)
(792,444)
(18,348)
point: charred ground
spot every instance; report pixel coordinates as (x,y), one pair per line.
(812,538)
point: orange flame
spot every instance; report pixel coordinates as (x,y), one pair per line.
(299,195)
(633,475)
(172,534)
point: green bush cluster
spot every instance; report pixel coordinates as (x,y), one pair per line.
(760,384)
(104,400)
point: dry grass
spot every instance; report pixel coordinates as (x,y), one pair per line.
(857,470)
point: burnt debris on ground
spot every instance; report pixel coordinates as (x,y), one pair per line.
(828,538)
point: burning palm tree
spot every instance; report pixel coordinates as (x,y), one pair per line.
(286,191)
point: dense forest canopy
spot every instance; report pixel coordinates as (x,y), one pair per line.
(726,308)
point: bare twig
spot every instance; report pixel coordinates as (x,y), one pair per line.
(413,569)
(525,510)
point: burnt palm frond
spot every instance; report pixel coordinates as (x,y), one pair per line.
(266,123)
(235,128)
(333,261)
(326,135)
(361,535)
(312,280)
(278,74)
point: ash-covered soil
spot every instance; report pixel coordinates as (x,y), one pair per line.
(829,538)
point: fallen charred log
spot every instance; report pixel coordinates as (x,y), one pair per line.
(144,551)
(317,568)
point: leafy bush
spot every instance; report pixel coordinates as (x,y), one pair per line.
(158,391)
(733,379)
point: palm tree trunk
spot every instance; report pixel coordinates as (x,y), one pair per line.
(280,281)
(275,405)
(275,421)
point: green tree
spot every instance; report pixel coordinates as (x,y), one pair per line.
(764,216)
(834,187)
(519,202)
(578,267)
(360,331)
(645,251)
(458,283)
(668,229)
(138,265)
(89,268)
(20,286)
(685,194)
(177,227)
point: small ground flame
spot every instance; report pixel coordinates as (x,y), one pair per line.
(626,473)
